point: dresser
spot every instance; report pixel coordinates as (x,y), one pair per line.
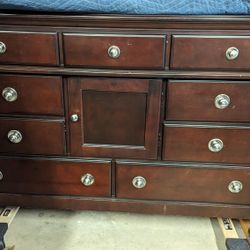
(147,114)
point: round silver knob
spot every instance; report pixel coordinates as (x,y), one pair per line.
(15,136)
(232,53)
(74,118)
(114,51)
(222,101)
(87,179)
(1,176)
(235,186)
(9,94)
(215,145)
(139,182)
(3,48)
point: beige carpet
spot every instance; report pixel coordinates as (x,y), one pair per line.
(65,230)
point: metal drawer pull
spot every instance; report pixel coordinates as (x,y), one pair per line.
(114,51)
(235,186)
(215,145)
(74,118)
(87,179)
(3,48)
(15,136)
(9,94)
(139,182)
(1,176)
(222,101)
(232,53)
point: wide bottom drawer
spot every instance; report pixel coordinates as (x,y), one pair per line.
(62,177)
(201,183)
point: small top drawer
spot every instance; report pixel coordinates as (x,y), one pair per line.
(28,48)
(208,101)
(31,95)
(114,51)
(210,52)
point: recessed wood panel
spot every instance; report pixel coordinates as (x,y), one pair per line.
(31,48)
(117,117)
(138,51)
(183,183)
(114,117)
(54,177)
(35,95)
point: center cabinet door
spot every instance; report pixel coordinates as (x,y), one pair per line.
(116,117)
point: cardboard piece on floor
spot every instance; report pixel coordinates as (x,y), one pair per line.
(228,228)
(245,224)
(8,214)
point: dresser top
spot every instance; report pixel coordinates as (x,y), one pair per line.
(127,21)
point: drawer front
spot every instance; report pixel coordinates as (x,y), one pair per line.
(28,48)
(213,144)
(210,52)
(200,184)
(88,178)
(31,95)
(114,51)
(208,101)
(32,136)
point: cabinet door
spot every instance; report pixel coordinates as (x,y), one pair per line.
(116,117)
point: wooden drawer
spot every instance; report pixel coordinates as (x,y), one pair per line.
(208,101)
(183,183)
(31,95)
(114,51)
(64,177)
(32,136)
(210,52)
(28,48)
(229,144)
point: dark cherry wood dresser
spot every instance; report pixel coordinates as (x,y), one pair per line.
(126,113)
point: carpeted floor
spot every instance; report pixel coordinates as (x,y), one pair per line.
(66,230)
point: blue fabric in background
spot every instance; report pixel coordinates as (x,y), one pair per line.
(187,7)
